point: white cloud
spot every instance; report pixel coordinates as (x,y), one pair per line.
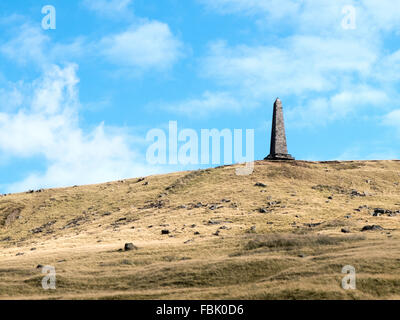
(208,103)
(10,97)
(356,153)
(320,111)
(392,119)
(40,119)
(275,8)
(298,65)
(27,46)
(314,16)
(110,8)
(48,127)
(332,72)
(388,68)
(144,46)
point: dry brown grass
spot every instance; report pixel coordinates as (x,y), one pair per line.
(295,250)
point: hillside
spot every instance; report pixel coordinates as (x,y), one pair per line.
(276,234)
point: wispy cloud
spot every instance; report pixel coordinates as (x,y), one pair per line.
(392,119)
(49,127)
(208,103)
(40,118)
(29,45)
(147,45)
(142,46)
(330,72)
(116,9)
(338,106)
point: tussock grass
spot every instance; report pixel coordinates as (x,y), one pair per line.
(288,241)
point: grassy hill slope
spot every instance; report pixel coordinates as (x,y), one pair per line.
(275,234)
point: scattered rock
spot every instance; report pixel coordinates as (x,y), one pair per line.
(32,249)
(140,180)
(312,225)
(216,233)
(345,230)
(130,246)
(157,205)
(355,193)
(20,254)
(43,227)
(165,231)
(39,266)
(379,211)
(260,184)
(212,222)
(273,203)
(74,222)
(196,233)
(371,228)
(146,183)
(234,205)
(262,210)
(301,255)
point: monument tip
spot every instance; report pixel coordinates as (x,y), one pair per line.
(278,150)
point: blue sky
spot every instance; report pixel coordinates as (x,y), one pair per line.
(77,102)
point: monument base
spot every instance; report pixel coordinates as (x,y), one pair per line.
(279,156)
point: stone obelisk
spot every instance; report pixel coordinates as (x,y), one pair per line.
(278,136)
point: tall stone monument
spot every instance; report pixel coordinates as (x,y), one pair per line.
(278,136)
